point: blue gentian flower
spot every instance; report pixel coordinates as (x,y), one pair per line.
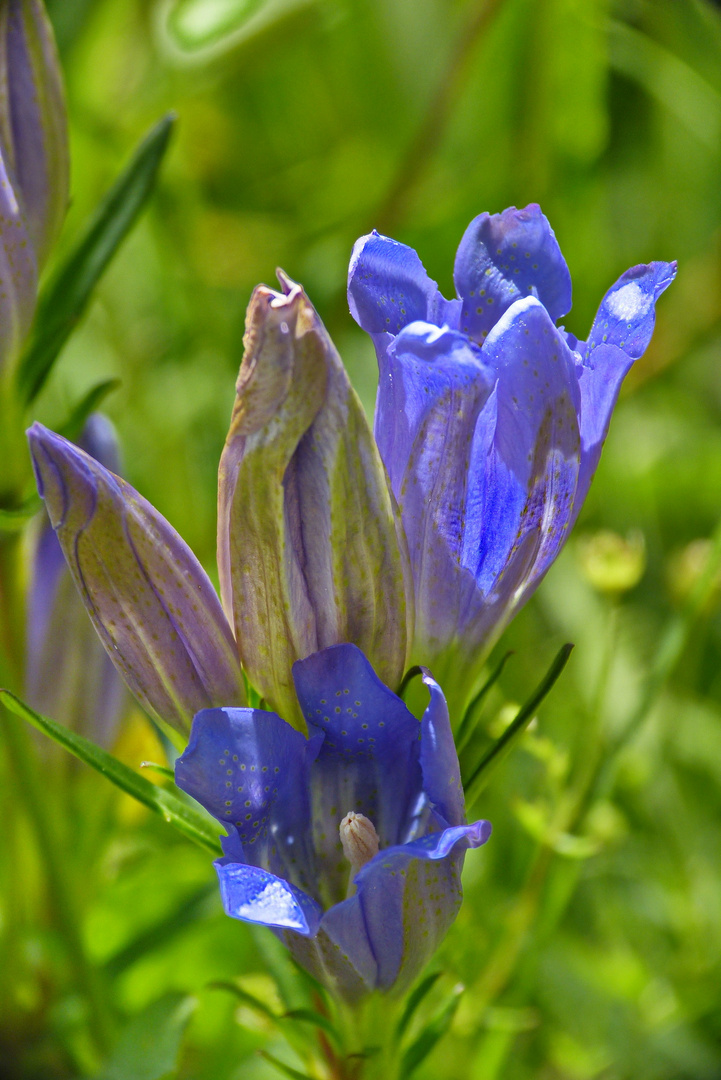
(489,418)
(349,843)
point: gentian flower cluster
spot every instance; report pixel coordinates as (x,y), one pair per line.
(489,418)
(341,558)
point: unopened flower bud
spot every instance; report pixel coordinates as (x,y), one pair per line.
(359,839)
(310,548)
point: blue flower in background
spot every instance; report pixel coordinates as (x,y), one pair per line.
(489,418)
(349,843)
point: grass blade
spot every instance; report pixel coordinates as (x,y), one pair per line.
(471,715)
(501,748)
(413,1002)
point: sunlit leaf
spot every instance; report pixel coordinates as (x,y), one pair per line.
(63,300)
(177,813)
(205,26)
(472,713)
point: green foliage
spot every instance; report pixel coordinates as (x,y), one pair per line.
(148,1047)
(63,301)
(173,809)
(590,935)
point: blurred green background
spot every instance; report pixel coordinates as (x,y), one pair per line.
(590,938)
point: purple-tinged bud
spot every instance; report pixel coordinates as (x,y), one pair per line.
(33,123)
(310,549)
(150,600)
(69,675)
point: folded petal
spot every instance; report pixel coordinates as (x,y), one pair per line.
(524,497)
(33,122)
(310,546)
(406,899)
(368,761)
(439,759)
(249,769)
(255,896)
(505,257)
(432,389)
(627,314)
(620,334)
(388,288)
(151,602)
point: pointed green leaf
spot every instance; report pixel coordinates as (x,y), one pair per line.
(501,747)
(434,1031)
(63,300)
(75,423)
(162,769)
(148,1047)
(286,1070)
(472,713)
(311,1016)
(177,813)
(414,1001)
(250,1000)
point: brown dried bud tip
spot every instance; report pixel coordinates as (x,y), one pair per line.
(359,839)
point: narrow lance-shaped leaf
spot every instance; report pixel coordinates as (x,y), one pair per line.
(502,747)
(177,813)
(310,549)
(150,600)
(63,301)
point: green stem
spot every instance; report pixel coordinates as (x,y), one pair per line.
(23,764)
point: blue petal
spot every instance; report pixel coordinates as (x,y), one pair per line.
(253,895)
(408,896)
(388,288)
(627,313)
(433,385)
(439,760)
(368,761)
(249,769)
(521,498)
(503,257)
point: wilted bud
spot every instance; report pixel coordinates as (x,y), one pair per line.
(612,563)
(69,675)
(310,550)
(151,602)
(33,123)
